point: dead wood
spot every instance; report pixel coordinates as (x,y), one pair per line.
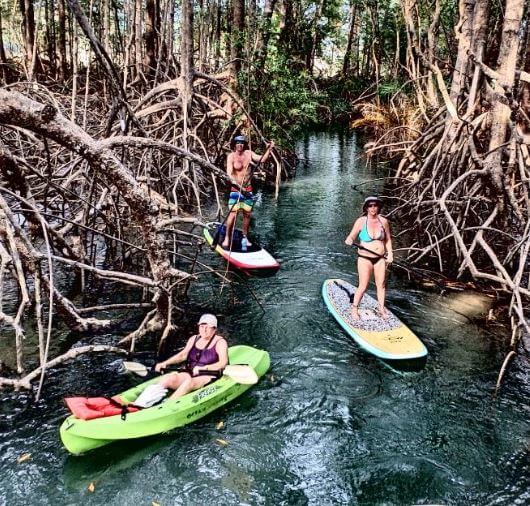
(109,210)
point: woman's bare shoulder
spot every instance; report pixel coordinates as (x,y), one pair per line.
(359,220)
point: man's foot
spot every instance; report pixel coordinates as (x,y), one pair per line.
(355,313)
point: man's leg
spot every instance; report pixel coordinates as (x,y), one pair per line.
(230,222)
(246,224)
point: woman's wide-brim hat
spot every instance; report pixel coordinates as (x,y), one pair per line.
(372,198)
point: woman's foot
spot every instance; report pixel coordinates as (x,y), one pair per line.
(355,313)
(383,313)
(225,244)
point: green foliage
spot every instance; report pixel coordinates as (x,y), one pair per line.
(387,89)
(284,98)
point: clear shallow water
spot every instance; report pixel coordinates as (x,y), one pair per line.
(329,424)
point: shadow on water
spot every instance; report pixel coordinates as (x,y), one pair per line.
(404,366)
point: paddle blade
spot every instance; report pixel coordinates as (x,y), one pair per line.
(136,368)
(243,374)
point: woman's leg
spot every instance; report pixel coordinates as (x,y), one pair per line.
(190,384)
(364,270)
(174,380)
(380,283)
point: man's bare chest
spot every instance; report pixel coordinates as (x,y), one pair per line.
(241,162)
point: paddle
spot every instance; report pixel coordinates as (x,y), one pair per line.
(406,267)
(240,373)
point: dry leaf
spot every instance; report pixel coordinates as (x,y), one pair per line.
(23,458)
(153,503)
(272,378)
(220,425)
(91,487)
(222,442)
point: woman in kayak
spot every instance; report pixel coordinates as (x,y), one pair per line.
(375,239)
(205,354)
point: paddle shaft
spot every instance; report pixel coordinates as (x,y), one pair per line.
(243,374)
(376,255)
(405,266)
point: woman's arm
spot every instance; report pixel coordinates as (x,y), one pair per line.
(177,358)
(354,232)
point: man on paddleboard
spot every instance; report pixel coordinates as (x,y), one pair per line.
(241,197)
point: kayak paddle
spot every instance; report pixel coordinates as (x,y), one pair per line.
(404,266)
(240,373)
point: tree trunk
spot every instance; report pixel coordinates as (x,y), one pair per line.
(480,28)
(218,42)
(287,28)
(62,40)
(3,58)
(351,35)
(138,57)
(186,67)
(28,30)
(186,44)
(237,37)
(464,34)
(501,111)
(432,33)
(152,36)
(49,10)
(310,60)
(264,34)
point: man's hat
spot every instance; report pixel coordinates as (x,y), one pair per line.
(239,138)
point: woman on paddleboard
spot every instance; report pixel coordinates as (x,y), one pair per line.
(205,354)
(374,252)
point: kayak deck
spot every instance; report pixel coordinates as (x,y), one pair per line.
(79,436)
(254,261)
(388,339)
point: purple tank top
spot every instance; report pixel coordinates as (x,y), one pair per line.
(198,357)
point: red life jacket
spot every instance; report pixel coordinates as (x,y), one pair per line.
(88,408)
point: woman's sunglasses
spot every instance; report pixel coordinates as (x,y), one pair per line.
(372,205)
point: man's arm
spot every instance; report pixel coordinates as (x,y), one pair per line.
(230,166)
(263,158)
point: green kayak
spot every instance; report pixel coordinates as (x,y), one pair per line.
(79,436)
